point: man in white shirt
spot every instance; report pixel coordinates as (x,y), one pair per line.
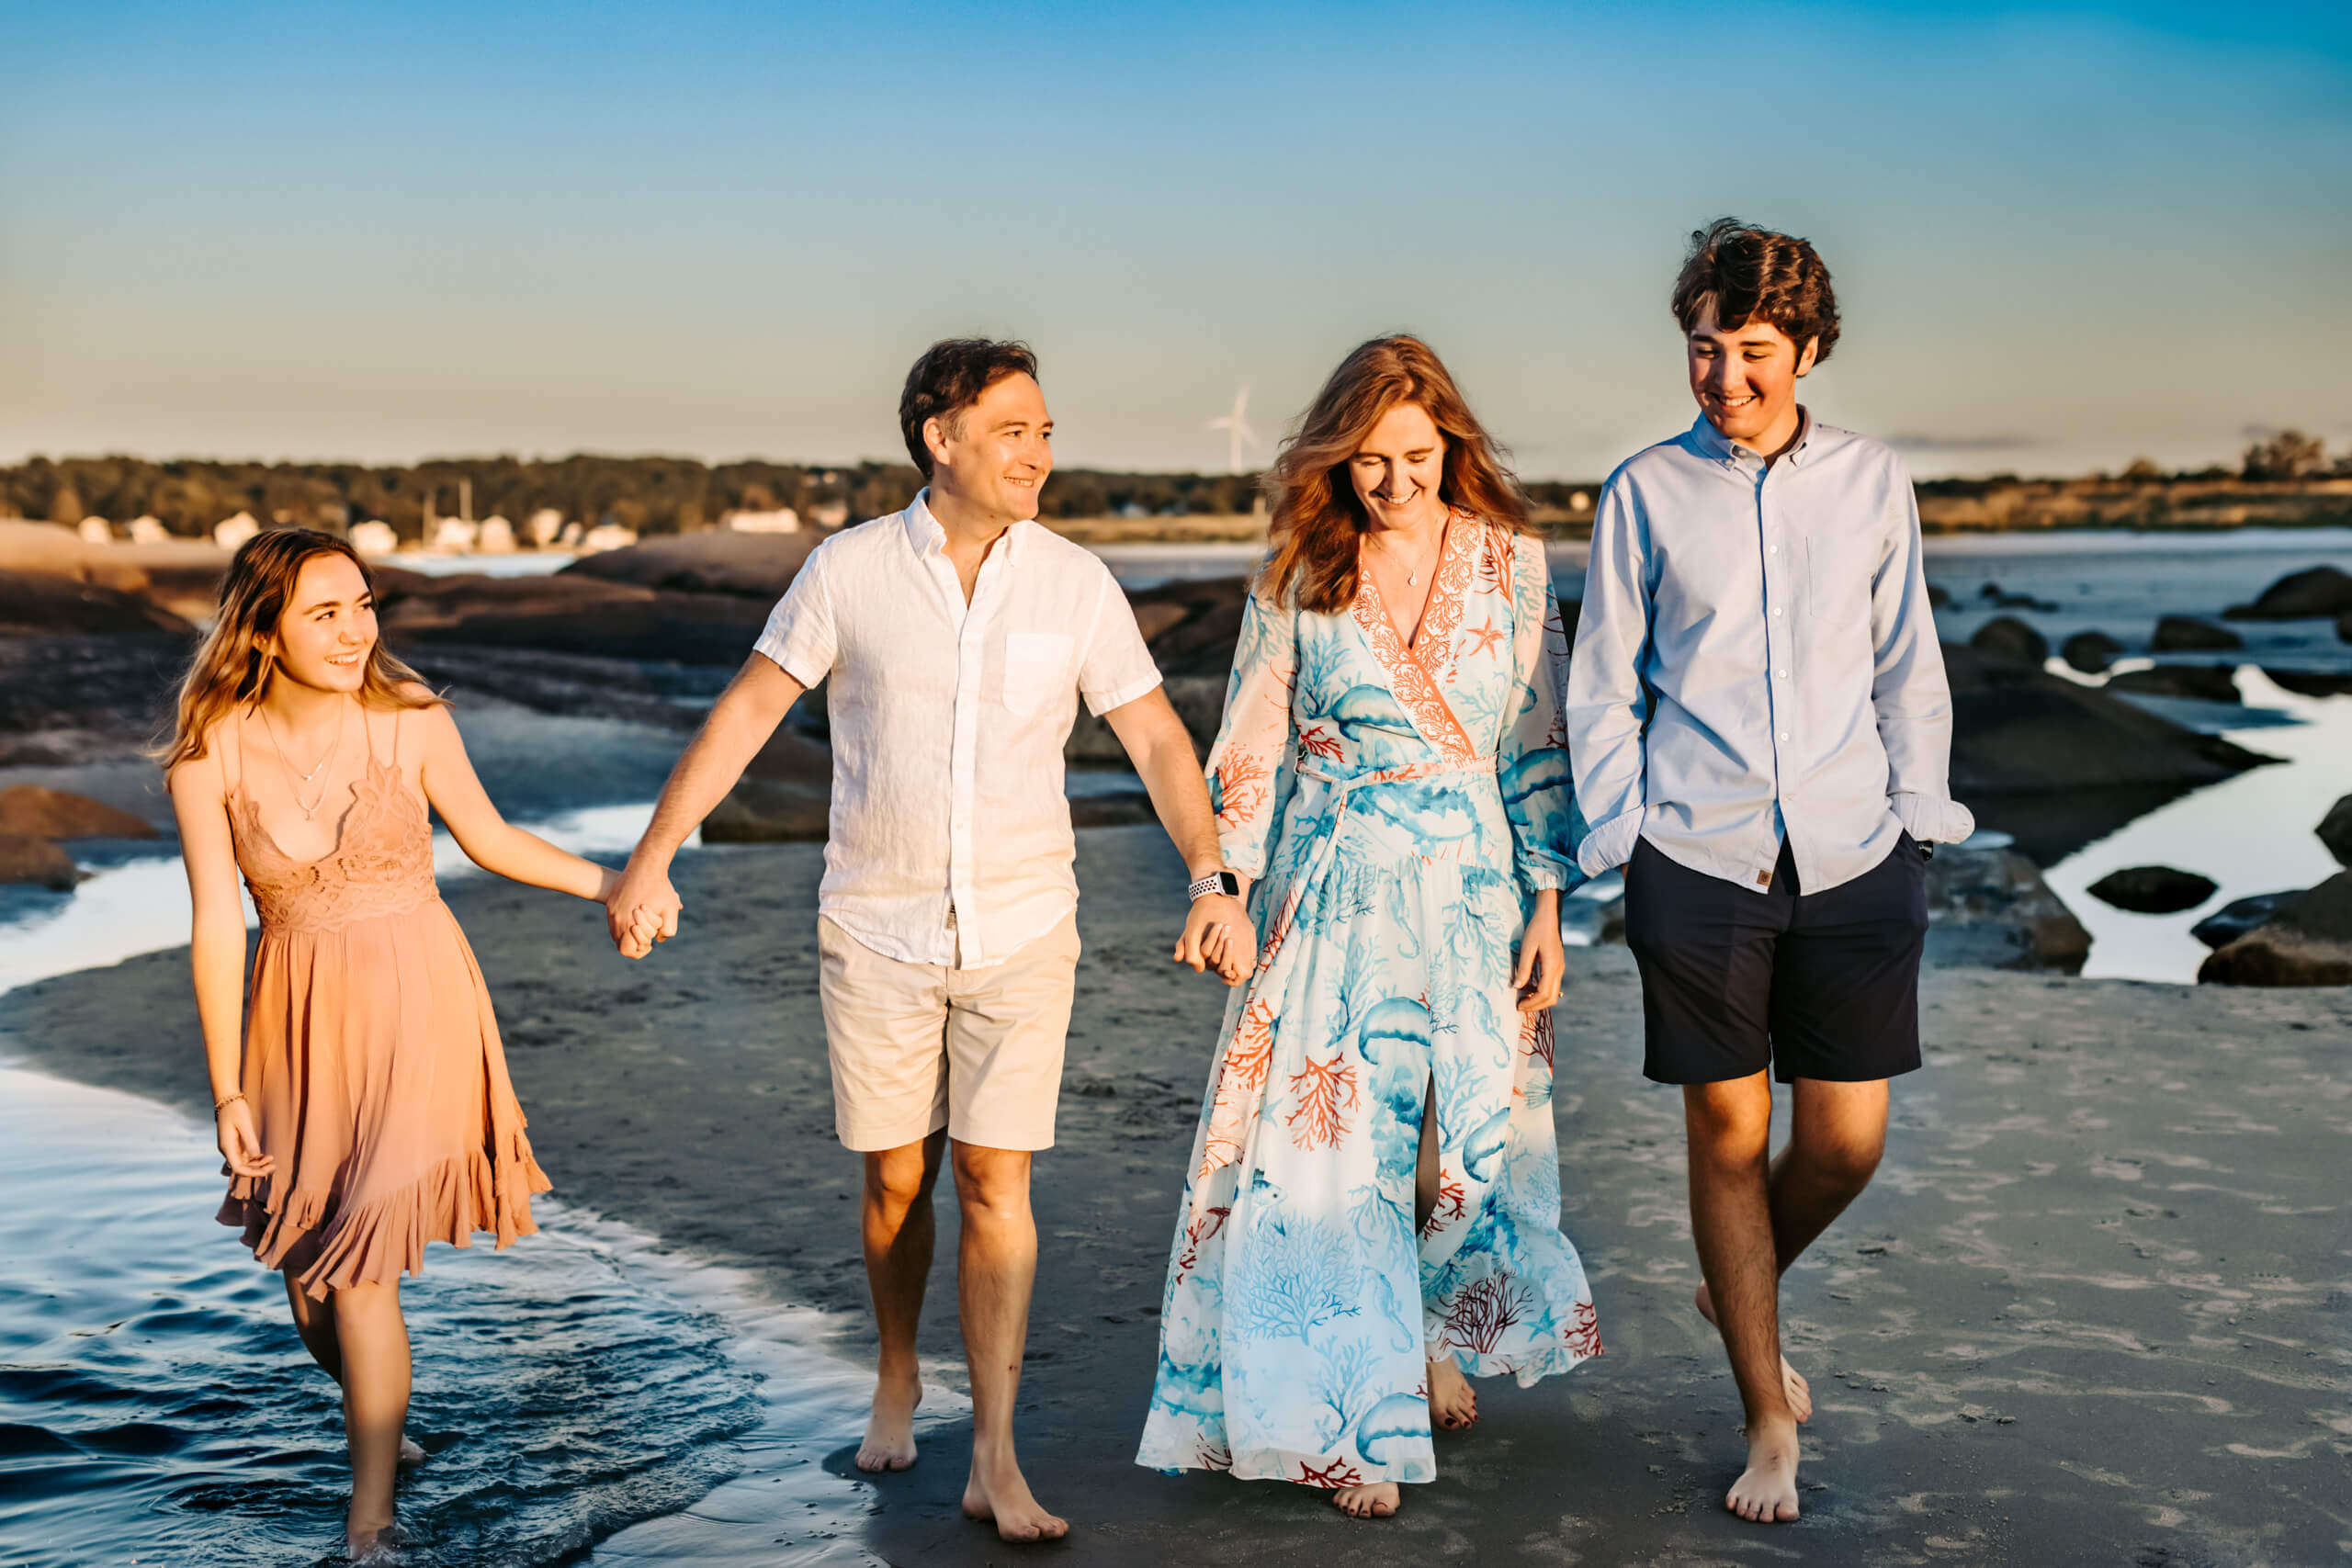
(957,635)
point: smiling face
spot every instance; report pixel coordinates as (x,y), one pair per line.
(1399,467)
(994,455)
(328,627)
(1745,380)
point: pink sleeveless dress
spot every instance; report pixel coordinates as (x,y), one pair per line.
(372,1058)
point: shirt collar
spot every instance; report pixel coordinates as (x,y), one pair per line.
(925,535)
(1712,444)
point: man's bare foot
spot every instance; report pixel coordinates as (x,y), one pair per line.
(1454,1403)
(1794,1389)
(890,1431)
(997,1492)
(411,1454)
(1375,1501)
(1766,1492)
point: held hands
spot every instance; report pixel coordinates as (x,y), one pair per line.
(1541,960)
(1218,935)
(240,1145)
(641,908)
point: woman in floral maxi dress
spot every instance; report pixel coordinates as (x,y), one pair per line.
(1402,803)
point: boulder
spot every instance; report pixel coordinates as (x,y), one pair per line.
(2308,944)
(2090,652)
(2239,916)
(716,561)
(42,603)
(564,612)
(24,857)
(2206,683)
(2007,638)
(2343,627)
(785,794)
(2023,731)
(29,810)
(1989,908)
(1199,701)
(2186,634)
(2154,889)
(60,551)
(2320,591)
(2311,682)
(2334,831)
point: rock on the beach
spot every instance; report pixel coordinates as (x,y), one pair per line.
(785,794)
(2311,682)
(31,811)
(2334,831)
(2206,683)
(2009,639)
(24,857)
(2154,889)
(2239,916)
(37,604)
(2308,944)
(2020,731)
(2186,634)
(1199,701)
(1990,908)
(716,561)
(2320,591)
(2090,652)
(567,613)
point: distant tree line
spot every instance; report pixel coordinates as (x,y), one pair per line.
(651,495)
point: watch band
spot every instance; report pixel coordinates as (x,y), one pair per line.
(1223,882)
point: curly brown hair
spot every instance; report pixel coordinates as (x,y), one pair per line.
(1317,517)
(1744,273)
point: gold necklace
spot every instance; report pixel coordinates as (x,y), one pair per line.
(309,812)
(1413,577)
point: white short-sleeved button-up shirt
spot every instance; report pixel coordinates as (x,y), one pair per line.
(950,839)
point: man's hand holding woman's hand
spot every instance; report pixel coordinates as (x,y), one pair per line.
(642,909)
(1218,935)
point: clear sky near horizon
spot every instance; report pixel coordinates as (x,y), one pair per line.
(2061,238)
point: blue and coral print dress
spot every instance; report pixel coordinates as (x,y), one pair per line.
(1399,808)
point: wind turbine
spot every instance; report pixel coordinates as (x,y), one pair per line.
(1237,429)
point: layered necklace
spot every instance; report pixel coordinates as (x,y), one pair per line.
(310,810)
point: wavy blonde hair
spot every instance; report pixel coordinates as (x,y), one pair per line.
(1317,518)
(232,669)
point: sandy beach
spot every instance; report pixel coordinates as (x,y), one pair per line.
(2093,1310)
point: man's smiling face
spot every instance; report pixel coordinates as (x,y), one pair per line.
(1745,378)
(995,453)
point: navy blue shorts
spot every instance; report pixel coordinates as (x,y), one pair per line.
(1812,984)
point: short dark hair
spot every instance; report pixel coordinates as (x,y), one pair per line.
(1746,272)
(949,378)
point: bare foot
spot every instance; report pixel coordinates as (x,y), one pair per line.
(1454,1403)
(371,1545)
(1766,1492)
(411,1454)
(890,1431)
(1375,1502)
(1794,1389)
(997,1492)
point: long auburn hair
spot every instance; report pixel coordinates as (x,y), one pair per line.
(231,670)
(1317,518)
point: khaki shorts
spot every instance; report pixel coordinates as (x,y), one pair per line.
(916,1048)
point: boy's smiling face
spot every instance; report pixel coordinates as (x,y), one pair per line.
(1745,378)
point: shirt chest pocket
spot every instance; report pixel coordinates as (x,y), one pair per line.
(1037,669)
(1837,583)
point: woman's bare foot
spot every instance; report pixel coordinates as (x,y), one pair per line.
(1794,1389)
(1454,1403)
(1766,1492)
(997,1491)
(411,1455)
(371,1544)
(1375,1502)
(890,1431)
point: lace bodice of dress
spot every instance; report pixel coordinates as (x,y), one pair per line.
(381,864)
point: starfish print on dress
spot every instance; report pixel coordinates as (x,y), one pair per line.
(1485,639)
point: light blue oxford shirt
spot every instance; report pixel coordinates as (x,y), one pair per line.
(1757,661)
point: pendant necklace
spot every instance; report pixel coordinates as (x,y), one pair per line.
(309,812)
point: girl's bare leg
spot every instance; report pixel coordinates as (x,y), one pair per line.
(374,1343)
(1454,1403)
(314,1321)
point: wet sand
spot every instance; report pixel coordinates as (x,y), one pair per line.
(2097,1308)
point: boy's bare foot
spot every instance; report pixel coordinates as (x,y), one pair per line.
(1375,1502)
(1454,1403)
(1766,1492)
(997,1492)
(1794,1389)
(890,1431)
(411,1454)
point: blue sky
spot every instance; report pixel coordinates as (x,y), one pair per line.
(2061,237)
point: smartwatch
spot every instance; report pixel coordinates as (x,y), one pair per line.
(1223,882)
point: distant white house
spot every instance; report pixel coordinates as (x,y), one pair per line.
(374,537)
(497,537)
(148,531)
(607,537)
(546,525)
(96,531)
(570,538)
(782,520)
(235,531)
(453,537)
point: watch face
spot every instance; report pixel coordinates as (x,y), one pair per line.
(1229,885)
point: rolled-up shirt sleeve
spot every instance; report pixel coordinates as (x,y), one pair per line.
(1607,706)
(1909,691)
(1117,667)
(801,638)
